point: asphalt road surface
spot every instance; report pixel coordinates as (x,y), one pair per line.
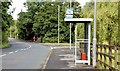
(24,55)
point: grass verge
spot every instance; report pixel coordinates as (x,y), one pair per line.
(62,44)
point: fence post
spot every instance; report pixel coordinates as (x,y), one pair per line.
(97,54)
(100,54)
(110,60)
(105,57)
(115,55)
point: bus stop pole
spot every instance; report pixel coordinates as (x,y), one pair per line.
(94,38)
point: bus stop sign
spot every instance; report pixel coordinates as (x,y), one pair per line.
(69,13)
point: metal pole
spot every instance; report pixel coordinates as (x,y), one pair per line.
(70,35)
(75,43)
(10,32)
(94,38)
(58,23)
(15,31)
(70,4)
(89,29)
(70,28)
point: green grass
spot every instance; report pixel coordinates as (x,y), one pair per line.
(65,44)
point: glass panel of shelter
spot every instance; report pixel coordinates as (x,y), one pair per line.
(82,44)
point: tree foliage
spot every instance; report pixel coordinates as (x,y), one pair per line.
(7,20)
(41,20)
(107,21)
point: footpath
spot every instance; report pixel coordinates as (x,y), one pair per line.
(62,57)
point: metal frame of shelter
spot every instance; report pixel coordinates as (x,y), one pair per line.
(87,30)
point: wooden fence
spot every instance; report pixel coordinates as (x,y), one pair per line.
(107,57)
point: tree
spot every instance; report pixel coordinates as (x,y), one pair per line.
(7,20)
(41,21)
(107,21)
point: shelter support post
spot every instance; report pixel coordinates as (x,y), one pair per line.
(70,36)
(89,29)
(86,37)
(75,43)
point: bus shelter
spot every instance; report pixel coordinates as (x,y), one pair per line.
(82,46)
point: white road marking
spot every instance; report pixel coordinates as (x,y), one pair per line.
(22,49)
(11,52)
(46,61)
(51,48)
(66,59)
(67,55)
(29,45)
(16,51)
(3,55)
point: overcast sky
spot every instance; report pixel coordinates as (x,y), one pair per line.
(18,5)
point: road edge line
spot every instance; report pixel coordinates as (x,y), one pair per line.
(46,61)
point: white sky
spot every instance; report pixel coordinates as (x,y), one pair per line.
(18,5)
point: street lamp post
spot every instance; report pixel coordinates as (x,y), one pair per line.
(94,38)
(58,24)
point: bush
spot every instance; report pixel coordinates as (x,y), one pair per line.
(50,39)
(39,40)
(5,42)
(5,45)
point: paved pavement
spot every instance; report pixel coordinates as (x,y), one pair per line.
(59,58)
(63,58)
(24,55)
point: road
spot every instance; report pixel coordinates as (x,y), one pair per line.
(24,55)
